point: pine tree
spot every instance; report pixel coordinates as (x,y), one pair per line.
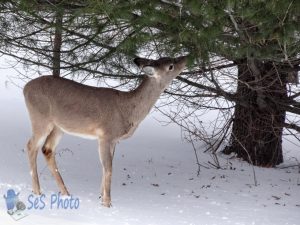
(262,39)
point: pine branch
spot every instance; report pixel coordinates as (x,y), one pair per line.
(218,91)
(292,126)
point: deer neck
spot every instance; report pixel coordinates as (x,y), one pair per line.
(143,98)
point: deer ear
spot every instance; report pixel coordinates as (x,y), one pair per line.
(149,70)
(140,62)
(137,61)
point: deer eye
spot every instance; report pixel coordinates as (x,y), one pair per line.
(171,67)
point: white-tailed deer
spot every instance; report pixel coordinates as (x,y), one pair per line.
(58,105)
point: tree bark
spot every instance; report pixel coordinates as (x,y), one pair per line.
(57,43)
(258,119)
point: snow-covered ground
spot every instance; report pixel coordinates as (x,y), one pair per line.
(154,180)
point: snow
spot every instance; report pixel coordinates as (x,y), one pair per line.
(155,178)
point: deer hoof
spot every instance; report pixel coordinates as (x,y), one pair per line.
(106,204)
(66,193)
(36,192)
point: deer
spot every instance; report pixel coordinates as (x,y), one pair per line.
(58,105)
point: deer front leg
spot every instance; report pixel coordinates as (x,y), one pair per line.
(106,151)
(33,147)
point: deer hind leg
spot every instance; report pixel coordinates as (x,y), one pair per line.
(48,150)
(106,152)
(40,133)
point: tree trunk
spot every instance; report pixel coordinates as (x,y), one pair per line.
(258,118)
(57,43)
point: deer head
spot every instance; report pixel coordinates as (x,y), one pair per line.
(164,70)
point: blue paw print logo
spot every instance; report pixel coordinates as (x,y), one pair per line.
(14,206)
